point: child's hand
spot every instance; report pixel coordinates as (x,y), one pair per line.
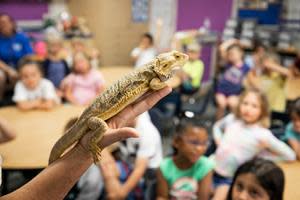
(268,63)
(108,165)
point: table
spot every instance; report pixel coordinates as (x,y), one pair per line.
(292,180)
(37,131)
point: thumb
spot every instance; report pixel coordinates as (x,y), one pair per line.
(116,135)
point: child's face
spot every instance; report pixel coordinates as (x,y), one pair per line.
(246,187)
(193,55)
(145,42)
(30,76)
(193,143)
(54,47)
(250,108)
(296,122)
(235,55)
(81,65)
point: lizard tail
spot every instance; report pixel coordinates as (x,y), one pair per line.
(64,143)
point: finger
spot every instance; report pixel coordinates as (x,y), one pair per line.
(116,135)
(134,110)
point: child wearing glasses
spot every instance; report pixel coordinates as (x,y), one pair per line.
(187,174)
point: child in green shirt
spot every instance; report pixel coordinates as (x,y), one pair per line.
(192,70)
(188,174)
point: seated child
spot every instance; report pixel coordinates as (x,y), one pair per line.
(292,132)
(242,136)
(55,68)
(292,78)
(145,52)
(78,45)
(33,91)
(269,81)
(229,85)
(132,170)
(192,70)
(84,83)
(257,179)
(188,174)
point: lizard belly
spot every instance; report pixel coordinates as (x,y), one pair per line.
(127,98)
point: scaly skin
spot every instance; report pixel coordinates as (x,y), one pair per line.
(151,76)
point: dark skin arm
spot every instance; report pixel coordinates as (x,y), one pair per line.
(162,188)
(57,179)
(204,187)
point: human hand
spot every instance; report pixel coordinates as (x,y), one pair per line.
(12,74)
(108,166)
(117,131)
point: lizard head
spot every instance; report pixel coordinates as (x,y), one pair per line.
(167,63)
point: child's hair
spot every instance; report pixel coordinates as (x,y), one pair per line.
(296,108)
(149,36)
(81,55)
(235,46)
(264,118)
(181,128)
(30,60)
(194,47)
(269,176)
(259,45)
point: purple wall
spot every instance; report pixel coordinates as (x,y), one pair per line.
(23,11)
(191,13)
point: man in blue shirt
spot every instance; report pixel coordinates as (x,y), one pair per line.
(13,46)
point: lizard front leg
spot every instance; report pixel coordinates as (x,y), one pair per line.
(157,84)
(99,127)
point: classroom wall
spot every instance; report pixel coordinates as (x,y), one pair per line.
(191,13)
(24,10)
(114,32)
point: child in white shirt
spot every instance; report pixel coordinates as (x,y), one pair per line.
(33,91)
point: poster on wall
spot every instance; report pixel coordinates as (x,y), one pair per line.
(139,11)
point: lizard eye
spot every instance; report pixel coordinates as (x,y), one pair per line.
(165,65)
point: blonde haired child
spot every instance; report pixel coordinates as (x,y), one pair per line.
(243,136)
(84,83)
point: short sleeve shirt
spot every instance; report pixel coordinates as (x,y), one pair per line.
(183,184)
(290,133)
(44,90)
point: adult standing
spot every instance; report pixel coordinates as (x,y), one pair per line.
(13,46)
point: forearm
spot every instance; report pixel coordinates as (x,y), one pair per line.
(27,105)
(280,69)
(47,104)
(283,152)
(57,179)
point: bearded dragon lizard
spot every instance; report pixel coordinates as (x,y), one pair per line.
(151,76)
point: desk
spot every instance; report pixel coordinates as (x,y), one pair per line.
(292,180)
(37,131)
